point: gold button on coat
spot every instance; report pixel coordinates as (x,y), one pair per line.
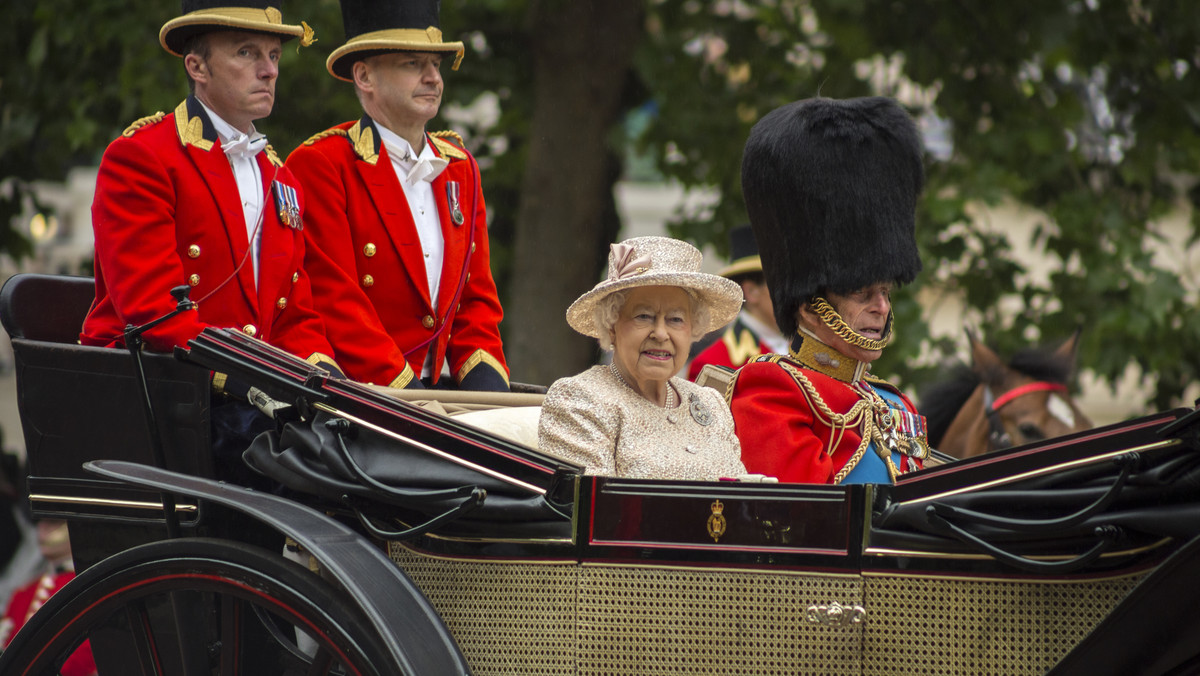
(193,251)
(369,250)
(281,303)
(194,280)
(472,247)
(368,280)
(427,322)
(250,330)
(295,277)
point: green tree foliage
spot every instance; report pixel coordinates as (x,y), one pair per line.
(1084,110)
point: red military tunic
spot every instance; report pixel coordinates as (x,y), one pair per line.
(166,213)
(368,266)
(737,345)
(786,417)
(28,600)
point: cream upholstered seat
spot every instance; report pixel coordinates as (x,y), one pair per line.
(519,423)
(513,416)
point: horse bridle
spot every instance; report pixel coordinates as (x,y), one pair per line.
(997,435)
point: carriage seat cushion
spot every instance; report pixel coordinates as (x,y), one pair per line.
(517,423)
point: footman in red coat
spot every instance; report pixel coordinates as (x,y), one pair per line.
(396,222)
(197,197)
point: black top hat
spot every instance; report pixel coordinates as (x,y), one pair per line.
(831,188)
(743,254)
(256,16)
(376,27)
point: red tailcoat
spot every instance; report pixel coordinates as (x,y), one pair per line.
(369,269)
(782,435)
(737,345)
(167,213)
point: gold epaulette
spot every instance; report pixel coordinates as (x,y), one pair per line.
(324,134)
(876,380)
(273,157)
(145,121)
(447,148)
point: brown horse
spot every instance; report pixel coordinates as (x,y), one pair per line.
(993,405)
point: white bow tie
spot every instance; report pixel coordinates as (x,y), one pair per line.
(425,169)
(243,147)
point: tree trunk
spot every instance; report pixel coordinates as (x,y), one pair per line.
(582,59)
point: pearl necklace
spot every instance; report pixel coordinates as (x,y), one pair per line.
(670,403)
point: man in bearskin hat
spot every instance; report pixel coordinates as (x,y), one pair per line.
(197,197)
(397,228)
(831,189)
(754,331)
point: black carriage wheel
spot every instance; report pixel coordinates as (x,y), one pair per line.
(235,607)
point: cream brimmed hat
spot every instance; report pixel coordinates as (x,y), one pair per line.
(202,16)
(373,27)
(657,261)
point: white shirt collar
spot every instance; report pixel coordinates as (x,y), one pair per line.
(399,147)
(228,133)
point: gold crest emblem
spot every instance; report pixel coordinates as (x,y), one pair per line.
(716,522)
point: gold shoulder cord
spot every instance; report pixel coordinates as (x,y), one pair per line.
(449,133)
(861,415)
(324,134)
(447,148)
(142,122)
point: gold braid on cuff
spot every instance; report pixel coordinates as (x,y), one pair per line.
(834,321)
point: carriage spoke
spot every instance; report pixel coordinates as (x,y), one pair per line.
(145,645)
(232,612)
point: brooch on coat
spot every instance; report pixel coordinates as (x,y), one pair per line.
(287,202)
(699,411)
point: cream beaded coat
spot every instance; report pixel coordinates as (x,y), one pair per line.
(596,420)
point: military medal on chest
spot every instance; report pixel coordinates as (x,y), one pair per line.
(287,203)
(456,214)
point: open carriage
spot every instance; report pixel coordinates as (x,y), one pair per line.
(396,539)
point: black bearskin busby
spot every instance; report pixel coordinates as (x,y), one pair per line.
(831,188)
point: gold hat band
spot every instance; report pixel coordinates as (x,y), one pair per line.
(269,15)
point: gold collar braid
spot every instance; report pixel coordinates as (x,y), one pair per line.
(834,321)
(812,354)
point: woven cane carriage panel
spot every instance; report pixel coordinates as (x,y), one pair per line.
(952,627)
(636,620)
(508,618)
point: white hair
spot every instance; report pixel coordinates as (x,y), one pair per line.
(608,310)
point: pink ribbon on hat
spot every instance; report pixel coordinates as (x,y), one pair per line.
(624,264)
